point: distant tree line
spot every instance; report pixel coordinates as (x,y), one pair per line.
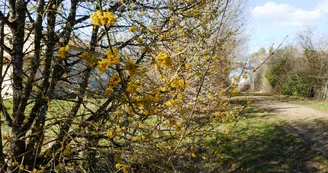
(300,69)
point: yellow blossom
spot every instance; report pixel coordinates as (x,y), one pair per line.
(103,18)
(164,59)
(188,65)
(144,49)
(14,164)
(119,165)
(118,128)
(62,52)
(114,80)
(178,127)
(178,83)
(132,28)
(139,40)
(84,55)
(140,123)
(131,88)
(172,122)
(110,134)
(113,58)
(158,96)
(234,91)
(118,112)
(109,90)
(155,66)
(131,67)
(103,65)
(68,149)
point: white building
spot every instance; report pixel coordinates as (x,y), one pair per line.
(6,86)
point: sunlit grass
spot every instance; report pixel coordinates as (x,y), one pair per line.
(317,104)
(258,143)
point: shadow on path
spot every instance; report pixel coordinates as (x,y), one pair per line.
(309,125)
(257,147)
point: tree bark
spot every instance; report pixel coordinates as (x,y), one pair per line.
(17,145)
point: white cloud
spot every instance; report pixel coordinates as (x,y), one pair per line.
(285,14)
(323,6)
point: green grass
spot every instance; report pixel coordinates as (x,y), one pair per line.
(259,144)
(317,104)
(256,143)
(320,105)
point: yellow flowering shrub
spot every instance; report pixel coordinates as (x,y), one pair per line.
(156,87)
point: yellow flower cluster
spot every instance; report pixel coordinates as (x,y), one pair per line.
(132,88)
(125,168)
(188,65)
(103,18)
(62,52)
(36,171)
(113,58)
(178,84)
(110,134)
(233,91)
(131,67)
(89,59)
(110,60)
(109,90)
(132,28)
(139,40)
(114,80)
(144,49)
(157,96)
(164,59)
(103,65)
(172,102)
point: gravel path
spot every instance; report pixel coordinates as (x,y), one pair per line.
(310,124)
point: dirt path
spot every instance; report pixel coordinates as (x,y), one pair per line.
(310,124)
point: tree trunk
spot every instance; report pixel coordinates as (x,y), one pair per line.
(17,145)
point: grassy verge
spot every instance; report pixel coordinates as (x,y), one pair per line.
(259,144)
(256,143)
(317,104)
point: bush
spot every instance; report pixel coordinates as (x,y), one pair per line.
(298,85)
(286,79)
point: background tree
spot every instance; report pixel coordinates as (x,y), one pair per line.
(299,69)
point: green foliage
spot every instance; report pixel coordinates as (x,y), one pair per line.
(294,85)
(273,73)
(286,78)
(259,144)
(299,71)
(298,85)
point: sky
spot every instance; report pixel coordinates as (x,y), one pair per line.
(272,20)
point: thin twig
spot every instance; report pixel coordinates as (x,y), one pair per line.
(271,54)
